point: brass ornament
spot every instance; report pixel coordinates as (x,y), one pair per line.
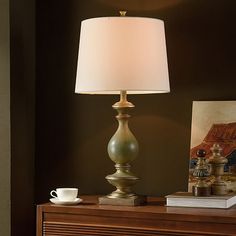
(201,173)
(217,162)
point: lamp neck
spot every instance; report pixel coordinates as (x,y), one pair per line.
(123,96)
(123,103)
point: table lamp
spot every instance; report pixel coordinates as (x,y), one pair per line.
(122,55)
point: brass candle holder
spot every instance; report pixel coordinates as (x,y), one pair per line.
(217,162)
(201,173)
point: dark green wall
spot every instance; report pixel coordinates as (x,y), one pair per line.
(72,130)
(17,77)
(5,145)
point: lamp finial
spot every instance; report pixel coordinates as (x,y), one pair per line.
(123,13)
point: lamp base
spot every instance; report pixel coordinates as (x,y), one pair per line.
(130,201)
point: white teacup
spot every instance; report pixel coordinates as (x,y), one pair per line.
(65,194)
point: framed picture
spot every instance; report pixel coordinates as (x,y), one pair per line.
(214,122)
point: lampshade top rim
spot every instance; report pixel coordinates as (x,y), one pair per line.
(122,18)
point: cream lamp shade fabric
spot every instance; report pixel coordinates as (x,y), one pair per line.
(122,54)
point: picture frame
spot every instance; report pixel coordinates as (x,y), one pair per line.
(214,122)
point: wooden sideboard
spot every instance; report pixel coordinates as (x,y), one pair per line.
(89,218)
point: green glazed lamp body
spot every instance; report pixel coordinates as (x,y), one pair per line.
(122,149)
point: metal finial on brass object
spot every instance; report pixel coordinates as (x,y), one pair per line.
(217,162)
(201,188)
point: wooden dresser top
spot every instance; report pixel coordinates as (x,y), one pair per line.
(155,206)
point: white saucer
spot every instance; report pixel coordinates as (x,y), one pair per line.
(58,202)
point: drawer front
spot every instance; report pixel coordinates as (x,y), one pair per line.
(66,229)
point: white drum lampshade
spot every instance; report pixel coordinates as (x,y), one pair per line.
(122,54)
